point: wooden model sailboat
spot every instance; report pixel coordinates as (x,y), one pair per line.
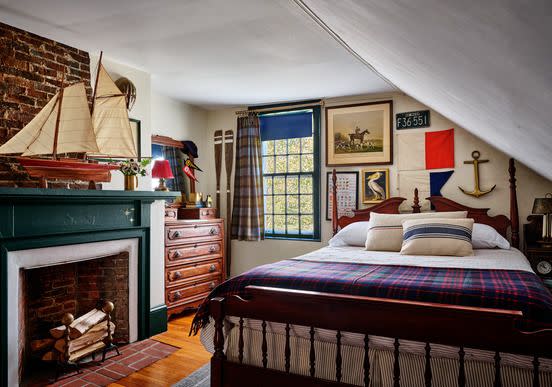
(65,125)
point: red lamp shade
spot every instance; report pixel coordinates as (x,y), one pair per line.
(162,170)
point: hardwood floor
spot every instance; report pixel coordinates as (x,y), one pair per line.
(175,367)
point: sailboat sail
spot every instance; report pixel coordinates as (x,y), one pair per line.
(110,119)
(75,132)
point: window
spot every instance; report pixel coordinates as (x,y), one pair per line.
(291,174)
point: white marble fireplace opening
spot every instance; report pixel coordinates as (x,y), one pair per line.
(58,255)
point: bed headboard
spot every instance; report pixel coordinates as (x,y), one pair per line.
(500,223)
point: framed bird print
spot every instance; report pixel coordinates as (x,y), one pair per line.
(375,185)
(360,134)
(347,194)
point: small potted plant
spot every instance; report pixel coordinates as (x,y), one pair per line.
(131,169)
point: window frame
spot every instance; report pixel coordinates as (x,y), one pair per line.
(315,237)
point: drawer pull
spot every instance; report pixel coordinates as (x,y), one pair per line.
(212,268)
(195,246)
(212,285)
(212,231)
(176,254)
(212,249)
(175,234)
(175,275)
(195,225)
(175,296)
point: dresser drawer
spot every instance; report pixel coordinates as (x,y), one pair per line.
(201,271)
(181,295)
(171,213)
(197,213)
(179,254)
(198,231)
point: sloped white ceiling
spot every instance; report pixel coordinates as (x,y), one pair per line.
(486,65)
(206,52)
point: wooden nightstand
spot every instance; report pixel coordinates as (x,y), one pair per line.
(539,256)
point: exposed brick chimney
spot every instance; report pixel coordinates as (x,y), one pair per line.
(30,74)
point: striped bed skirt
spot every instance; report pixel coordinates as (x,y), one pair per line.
(516,370)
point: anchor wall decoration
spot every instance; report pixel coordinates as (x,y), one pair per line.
(477,192)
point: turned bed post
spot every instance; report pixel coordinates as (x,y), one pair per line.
(514,216)
(217,361)
(334,202)
(416,206)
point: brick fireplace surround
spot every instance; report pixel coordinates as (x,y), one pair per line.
(41,227)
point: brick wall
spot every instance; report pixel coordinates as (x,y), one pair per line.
(30,73)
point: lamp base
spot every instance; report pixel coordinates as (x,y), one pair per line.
(162,186)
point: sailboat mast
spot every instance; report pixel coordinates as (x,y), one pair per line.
(96,81)
(60,101)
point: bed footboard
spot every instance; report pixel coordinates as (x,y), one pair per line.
(452,325)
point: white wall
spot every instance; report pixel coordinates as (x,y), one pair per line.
(181,121)
(158,115)
(246,255)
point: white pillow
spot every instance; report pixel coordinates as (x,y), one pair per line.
(353,234)
(486,237)
(386,230)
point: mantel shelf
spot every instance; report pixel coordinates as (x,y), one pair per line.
(23,194)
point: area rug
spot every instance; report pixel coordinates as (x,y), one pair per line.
(199,378)
(133,358)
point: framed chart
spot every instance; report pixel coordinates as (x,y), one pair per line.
(347,193)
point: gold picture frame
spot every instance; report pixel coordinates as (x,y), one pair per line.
(359,134)
(375,185)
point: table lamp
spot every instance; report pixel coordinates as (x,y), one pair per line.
(543,206)
(162,170)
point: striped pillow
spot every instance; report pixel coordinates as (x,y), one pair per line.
(386,232)
(437,237)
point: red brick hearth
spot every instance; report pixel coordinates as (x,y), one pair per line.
(133,357)
(50,292)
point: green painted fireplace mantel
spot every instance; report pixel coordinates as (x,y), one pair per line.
(35,218)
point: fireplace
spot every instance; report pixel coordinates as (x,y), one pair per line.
(72,278)
(83,237)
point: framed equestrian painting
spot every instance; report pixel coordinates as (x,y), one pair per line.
(375,185)
(360,134)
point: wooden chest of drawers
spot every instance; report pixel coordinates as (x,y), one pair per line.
(194,261)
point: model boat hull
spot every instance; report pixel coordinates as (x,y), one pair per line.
(72,169)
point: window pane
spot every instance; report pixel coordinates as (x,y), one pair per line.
(294,145)
(306,184)
(293,204)
(281,164)
(294,163)
(293,224)
(280,204)
(306,143)
(307,164)
(267,185)
(292,184)
(268,147)
(281,147)
(268,223)
(279,224)
(279,185)
(306,204)
(307,224)
(268,164)
(268,204)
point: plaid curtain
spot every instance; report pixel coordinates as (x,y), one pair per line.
(248,207)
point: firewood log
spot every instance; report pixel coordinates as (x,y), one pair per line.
(42,344)
(50,356)
(86,351)
(80,326)
(97,333)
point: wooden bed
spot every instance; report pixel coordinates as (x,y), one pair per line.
(431,323)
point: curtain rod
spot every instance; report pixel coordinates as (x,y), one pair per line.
(276,108)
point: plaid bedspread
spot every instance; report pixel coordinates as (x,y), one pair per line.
(501,289)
